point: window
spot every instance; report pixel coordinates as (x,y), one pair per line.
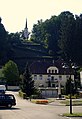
(52,78)
(9,97)
(55,71)
(40,77)
(67,77)
(52,71)
(53,85)
(49,77)
(35,77)
(49,71)
(56,79)
(60,77)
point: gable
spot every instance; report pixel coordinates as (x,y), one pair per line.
(52,69)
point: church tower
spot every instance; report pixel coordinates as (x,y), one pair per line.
(26,33)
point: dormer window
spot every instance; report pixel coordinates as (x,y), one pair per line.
(52,70)
(55,71)
(49,71)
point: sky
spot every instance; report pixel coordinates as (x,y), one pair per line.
(15,12)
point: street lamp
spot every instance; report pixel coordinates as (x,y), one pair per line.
(70,95)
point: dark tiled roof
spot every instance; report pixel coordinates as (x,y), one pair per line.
(40,67)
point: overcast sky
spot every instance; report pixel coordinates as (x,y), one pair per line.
(15,12)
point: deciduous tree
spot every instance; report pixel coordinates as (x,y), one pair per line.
(11,73)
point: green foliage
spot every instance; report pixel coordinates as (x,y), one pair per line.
(4,44)
(77,53)
(47,33)
(27,83)
(11,73)
(38,33)
(73,115)
(66,34)
(1,74)
(21,94)
(15,38)
(61,35)
(74,102)
(70,87)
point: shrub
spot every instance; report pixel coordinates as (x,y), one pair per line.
(73,96)
(34,96)
(23,95)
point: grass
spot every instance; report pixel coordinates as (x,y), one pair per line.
(72,115)
(74,102)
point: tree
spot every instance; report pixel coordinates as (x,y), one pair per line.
(69,87)
(27,84)
(77,51)
(52,27)
(38,33)
(47,34)
(15,38)
(4,44)
(11,73)
(3,40)
(66,34)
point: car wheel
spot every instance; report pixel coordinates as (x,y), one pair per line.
(9,105)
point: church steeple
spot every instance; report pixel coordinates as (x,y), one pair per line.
(26,24)
(26,33)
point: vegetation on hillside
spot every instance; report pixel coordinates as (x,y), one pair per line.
(11,73)
(61,36)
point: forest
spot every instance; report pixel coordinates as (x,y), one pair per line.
(61,35)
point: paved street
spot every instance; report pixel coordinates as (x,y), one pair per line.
(27,110)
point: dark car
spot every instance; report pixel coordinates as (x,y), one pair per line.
(7,100)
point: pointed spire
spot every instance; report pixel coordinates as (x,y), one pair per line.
(26,24)
(26,33)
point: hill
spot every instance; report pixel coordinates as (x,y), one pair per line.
(28,52)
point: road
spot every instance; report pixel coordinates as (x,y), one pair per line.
(27,110)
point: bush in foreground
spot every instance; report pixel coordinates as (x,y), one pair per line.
(21,94)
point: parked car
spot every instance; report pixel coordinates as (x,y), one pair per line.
(7,100)
(2,89)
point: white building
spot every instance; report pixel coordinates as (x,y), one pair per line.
(49,75)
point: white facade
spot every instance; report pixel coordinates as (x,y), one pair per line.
(53,76)
(49,78)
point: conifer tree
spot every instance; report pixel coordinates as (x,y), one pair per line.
(27,82)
